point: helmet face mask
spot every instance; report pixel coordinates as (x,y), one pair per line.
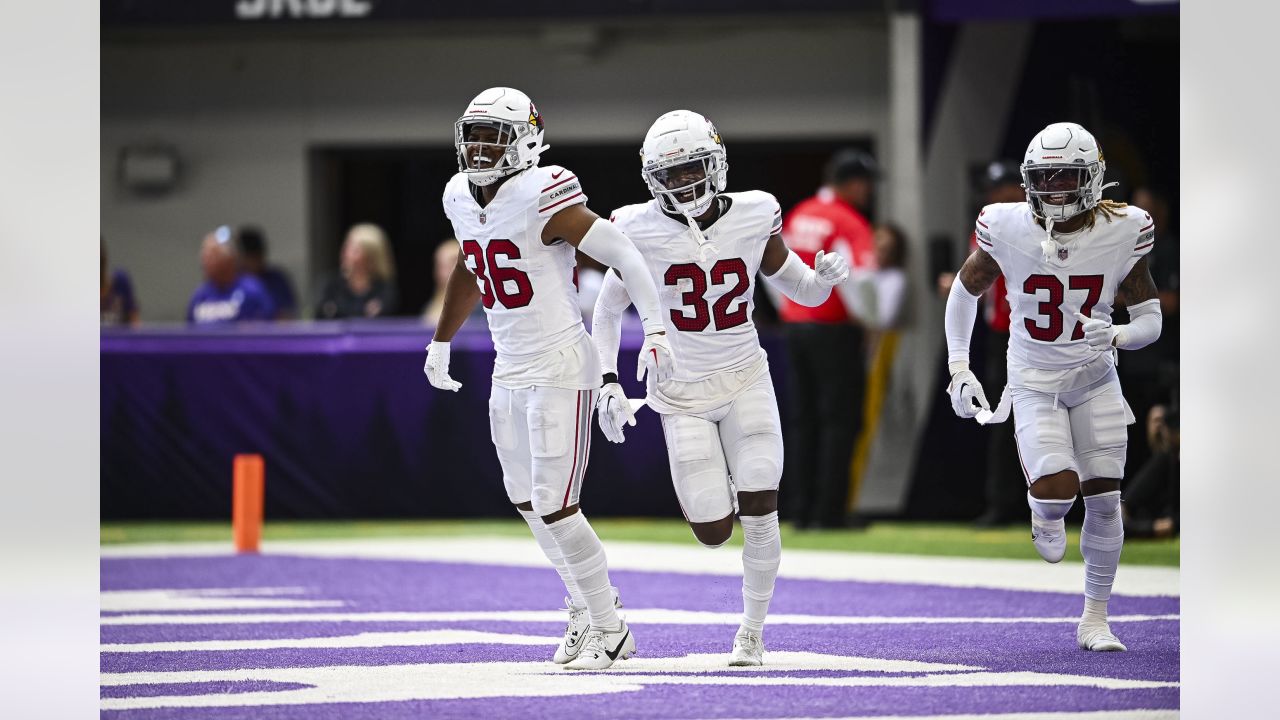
(1062,172)
(1060,192)
(500,134)
(685,185)
(683,163)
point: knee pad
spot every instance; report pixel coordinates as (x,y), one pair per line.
(1099,427)
(1043,434)
(546,500)
(758,449)
(697,469)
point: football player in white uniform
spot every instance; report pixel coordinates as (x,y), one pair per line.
(1068,258)
(518,224)
(719,415)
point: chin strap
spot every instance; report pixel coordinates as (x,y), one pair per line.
(1048,246)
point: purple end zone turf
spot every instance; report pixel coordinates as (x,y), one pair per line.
(384,585)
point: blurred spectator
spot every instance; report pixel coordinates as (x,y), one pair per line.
(226,295)
(115,293)
(825,346)
(253,260)
(446,257)
(876,294)
(1001,182)
(365,286)
(1151,496)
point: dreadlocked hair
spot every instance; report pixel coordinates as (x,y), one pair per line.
(1108,208)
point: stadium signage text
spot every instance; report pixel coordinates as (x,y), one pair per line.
(301,9)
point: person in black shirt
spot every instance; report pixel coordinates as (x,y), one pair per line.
(365,287)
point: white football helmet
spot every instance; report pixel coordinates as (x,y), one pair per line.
(683,161)
(1062,172)
(504,118)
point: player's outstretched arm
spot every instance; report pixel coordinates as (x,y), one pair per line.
(460,296)
(977,274)
(1138,292)
(599,239)
(806,285)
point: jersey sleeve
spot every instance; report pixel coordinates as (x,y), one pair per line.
(986,234)
(775,222)
(1143,243)
(560,188)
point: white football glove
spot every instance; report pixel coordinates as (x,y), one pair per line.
(1100,333)
(614,411)
(967,396)
(656,358)
(832,268)
(437,367)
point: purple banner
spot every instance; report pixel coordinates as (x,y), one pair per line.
(345,419)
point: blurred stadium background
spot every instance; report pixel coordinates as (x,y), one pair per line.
(305,117)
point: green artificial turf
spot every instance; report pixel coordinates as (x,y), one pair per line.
(913,538)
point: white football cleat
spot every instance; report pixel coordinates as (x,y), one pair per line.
(748,649)
(1098,638)
(576,631)
(1049,537)
(604,647)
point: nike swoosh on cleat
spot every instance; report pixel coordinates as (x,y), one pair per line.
(613,655)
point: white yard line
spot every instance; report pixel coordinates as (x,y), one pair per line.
(638,616)
(669,557)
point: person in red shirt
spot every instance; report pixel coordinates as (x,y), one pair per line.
(1001,182)
(826,357)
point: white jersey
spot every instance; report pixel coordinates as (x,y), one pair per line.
(707,293)
(1047,349)
(527,289)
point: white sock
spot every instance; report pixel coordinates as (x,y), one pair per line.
(761,555)
(1095,611)
(552,551)
(1100,541)
(584,556)
(1050,509)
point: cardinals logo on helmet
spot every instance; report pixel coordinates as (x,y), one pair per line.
(534,118)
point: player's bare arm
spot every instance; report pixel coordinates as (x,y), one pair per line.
(1138,286)
(775,254)
(460,297)
(570,225)
(979,271)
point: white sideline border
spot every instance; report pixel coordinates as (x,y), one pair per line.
(1000,574)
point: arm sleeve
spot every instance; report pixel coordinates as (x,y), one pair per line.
(962,311)
(606,243)
(799,282)
(606,321)
(1145,321)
